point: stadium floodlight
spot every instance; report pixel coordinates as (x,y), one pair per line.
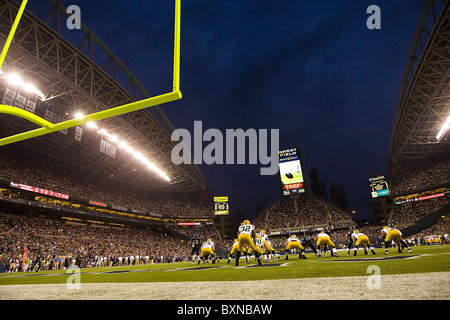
(15,80)
(114,138)
(123,145)
(91,125)
(136,154)
(444,129)
(78,115)
(29,87)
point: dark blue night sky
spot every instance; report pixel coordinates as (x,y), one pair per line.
(311,69)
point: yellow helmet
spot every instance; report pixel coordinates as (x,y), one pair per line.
(246,222)
(209,240)
(258,236)
(262,231)
(355,231)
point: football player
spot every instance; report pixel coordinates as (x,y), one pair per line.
(322,240)
(294,243)
(308,242)
(350,243)
(207,250)
(270,251)
(259,248)
(361,239)
(195,244)
(234,250)
(393,234)
(246,237)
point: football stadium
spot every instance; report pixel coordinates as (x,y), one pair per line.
(93,207)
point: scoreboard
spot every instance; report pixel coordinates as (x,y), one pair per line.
(221,206)
(291,175)
(378,185)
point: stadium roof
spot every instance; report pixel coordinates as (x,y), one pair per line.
(72,81)
(424,101)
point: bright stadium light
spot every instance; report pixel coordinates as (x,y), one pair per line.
(444,129)
(15,80)
(29,87)
(78,115)
(91,125)
(114,138)
(122,144)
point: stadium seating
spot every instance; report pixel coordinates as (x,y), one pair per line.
(53,176)
(86,244)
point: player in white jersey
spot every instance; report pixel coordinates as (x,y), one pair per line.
(294,243)
(246,237)
(360,239)
(207,249)
(260,248)
(322,240)
(234,249)
(270,251)
(393,234)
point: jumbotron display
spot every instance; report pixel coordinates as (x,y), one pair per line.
(378,185)
(221,206)
(291,174)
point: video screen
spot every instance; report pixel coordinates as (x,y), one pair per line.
(290,170)
(221,206)
(378,185)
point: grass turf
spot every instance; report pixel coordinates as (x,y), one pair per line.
(423,260)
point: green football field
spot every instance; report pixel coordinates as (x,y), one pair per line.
(426,270)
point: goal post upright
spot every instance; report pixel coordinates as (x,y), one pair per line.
(47,127)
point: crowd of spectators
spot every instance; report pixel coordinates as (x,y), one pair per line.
(84,244)
(409,212)
(51,175)
(304,212)
(436,234)
(421,174)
